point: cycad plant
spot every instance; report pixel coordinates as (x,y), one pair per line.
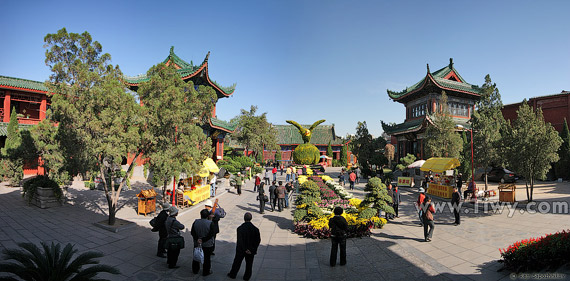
(50,262)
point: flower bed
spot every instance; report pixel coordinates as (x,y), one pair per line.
(319,196)
(547,252)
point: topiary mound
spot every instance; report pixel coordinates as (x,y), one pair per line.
(306,154)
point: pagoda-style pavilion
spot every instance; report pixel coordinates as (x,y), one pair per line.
(421,101)
(30,101)
(215,129)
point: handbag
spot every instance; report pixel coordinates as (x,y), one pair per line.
(176,242)
(265,198)
(198,254)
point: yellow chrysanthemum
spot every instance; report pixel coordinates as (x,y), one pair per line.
(302,206)
(354,202)
(326,178)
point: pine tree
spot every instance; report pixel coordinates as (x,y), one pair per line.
(329,150)
(441,138)
(12,164)
(563,165)
(343,156)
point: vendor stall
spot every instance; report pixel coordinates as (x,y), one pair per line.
(197,188)
(443,183)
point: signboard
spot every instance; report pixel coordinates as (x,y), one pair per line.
(404,181)
(197,195)
(443,191)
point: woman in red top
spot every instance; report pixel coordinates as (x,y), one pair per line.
(428,218)
(257,183)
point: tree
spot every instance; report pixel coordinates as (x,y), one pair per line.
(98,121)
(343,156)
(329,150)
(532,145)
(441,138)
(367,149)
(306,153)
(377,196)
(563,165)
(12,163)
(278,155)
(254,132)
(389,151)
(173,111)
(406,161)
(52,263)
(465,157)
(488,123)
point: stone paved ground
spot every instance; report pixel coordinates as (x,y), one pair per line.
(397,251)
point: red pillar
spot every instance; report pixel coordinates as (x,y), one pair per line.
(7,107)
(214,111)
(43,108)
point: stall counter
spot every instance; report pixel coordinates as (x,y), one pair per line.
(197,195)
(443,191)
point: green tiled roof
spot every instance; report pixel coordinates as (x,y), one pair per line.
(186,69)
(322,134)
(22,83)
(402,127)
(4,128)
(438,77)
(223,124)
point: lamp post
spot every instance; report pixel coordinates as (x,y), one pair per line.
(460,127)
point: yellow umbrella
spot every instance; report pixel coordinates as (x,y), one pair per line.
(439,164)
(203,172)
(210,165)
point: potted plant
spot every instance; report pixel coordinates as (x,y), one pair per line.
(42,192)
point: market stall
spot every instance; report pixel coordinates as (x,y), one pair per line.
(197,188)
(443,181)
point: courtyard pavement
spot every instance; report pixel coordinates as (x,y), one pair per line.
(396,252)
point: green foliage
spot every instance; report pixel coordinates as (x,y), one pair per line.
(329,150)
(311,189)
(489,126)
(336,163)
(306,154)
(11,166)
(465,157)
(259,157)
(368,213)
(278,155)
(532,144)
(46,143)
(52,263)
(406,161)
(306,134)
(563,165)
(343,156)
(31,186)
(299,215)
(441,138)
(536,254)
(369,151)
(145,169)
(230,168)
(377,196)
(255,132)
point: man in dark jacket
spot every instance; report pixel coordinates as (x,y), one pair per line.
(455,198)
(391,195)
(338,226)
(161,228)
(248,239)
(173,227)
(281,192)
(261,197)
(396,200)
(272,197)
(203,232)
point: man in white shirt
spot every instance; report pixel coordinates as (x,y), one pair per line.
(213,184)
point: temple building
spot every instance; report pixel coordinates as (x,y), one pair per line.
(288,138)
(30,101)
(215,129)
(421,101)
(555,108)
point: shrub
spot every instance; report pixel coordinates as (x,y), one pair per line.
(546,252)
(30,187)
(336,163)
(230,168)
(306,154)
(299,215)
(243,161)
(368,213)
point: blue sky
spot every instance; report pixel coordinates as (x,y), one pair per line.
(310,60)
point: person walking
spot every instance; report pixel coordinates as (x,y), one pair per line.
(288,188)
(267,176)
(396,200)
(293,173)
(288,174)
(213,180)
(257,182)
(261,197)
(428,218)
(341,178)
(357,172)
(352,179)
(274,171)
(161,228)
(391,195)
(272,197)
(173,227)
(455,199)
(459,183)
(203,232)
(281,192)
(419,203)
(215,217)
(248,239)
(281,168)
(239,182)
(338,226)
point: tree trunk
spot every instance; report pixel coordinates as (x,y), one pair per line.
(527,194)
(486,179)
(531,188)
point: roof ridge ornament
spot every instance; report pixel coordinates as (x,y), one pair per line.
(172,50)
(428,68)
(450,62)
(207,56)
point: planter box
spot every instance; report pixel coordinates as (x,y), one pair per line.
(45,198)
